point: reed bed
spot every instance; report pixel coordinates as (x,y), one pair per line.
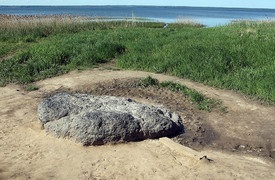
(186,22)
(30,28)
(31,21)
(15,28)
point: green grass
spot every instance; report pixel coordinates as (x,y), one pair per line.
(236,57)
(58,55)
(31,87)
(149,81)
(201,101)
(239,56)
(7,49)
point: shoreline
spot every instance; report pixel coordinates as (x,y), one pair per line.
(208,16)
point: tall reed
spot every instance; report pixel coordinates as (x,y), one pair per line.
(16,28)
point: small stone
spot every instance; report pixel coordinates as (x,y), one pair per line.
(272,153)
(241,146)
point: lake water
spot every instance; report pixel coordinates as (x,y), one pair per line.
(167,14)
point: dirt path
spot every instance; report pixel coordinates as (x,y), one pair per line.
(26,152)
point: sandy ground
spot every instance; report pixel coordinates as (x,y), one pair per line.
(26,152)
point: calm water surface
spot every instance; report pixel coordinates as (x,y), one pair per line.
(207,16)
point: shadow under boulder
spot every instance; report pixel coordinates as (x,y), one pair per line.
(97,120)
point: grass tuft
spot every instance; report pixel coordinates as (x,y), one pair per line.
(149,81)
(31,87)
(202,102)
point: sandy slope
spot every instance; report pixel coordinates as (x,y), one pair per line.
(26,152)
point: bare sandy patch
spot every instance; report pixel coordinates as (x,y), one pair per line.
(26,152)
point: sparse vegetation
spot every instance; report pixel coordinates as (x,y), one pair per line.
(202,102)
(149,81)
(31,87)
(238,56)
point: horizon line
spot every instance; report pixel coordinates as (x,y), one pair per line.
(145,6)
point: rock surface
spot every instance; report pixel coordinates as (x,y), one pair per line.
(96,120)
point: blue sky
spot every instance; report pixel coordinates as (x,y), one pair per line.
(202,3)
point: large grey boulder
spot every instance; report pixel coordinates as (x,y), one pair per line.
(96,120)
